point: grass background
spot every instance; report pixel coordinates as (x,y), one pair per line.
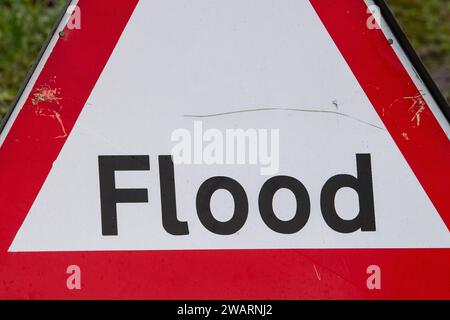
(25,24)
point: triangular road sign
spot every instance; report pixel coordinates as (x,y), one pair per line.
(96,202)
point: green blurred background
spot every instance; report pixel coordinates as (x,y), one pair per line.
(25,24)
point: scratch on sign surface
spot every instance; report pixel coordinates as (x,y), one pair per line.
(282,109)
(47,94)
(418,106)
(317,272)
(405,136)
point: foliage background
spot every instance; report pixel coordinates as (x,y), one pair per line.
(25,24)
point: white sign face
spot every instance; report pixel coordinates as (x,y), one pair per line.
(264,100)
